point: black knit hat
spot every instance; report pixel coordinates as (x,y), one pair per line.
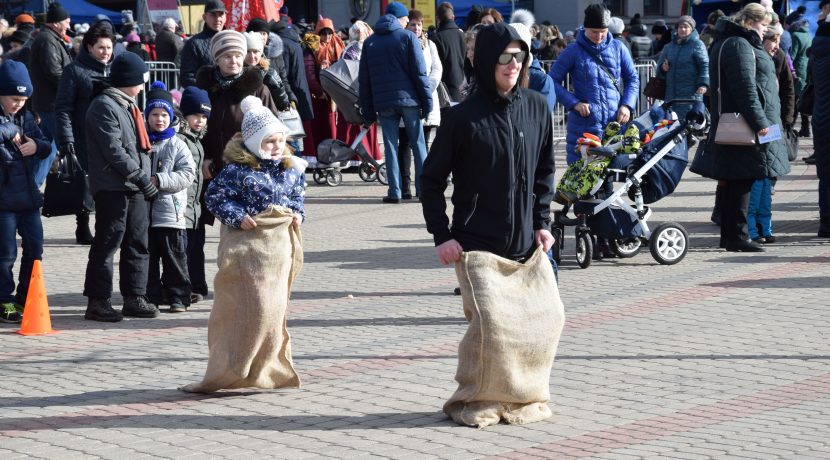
(19,36)
(636,20)
(128,69)
(597,16)
(257,25)
(56,13)
(195,100)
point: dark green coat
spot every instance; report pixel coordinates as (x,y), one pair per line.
(749,86)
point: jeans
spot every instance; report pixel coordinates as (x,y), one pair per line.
(405,156)
(121,220)
(28,225)
(49,127)
(389,120)
(760,209)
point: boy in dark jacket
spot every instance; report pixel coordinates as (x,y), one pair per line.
(119,178)
(195,108)
(22,148)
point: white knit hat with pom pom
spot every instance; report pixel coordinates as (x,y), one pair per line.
(258,123)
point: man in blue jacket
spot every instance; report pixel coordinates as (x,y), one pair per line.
(394,87)
(605,82)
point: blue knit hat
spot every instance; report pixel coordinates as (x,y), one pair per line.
(396,9)
(158,98)
(195,100)
(14,79)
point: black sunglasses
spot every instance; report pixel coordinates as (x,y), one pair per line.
(504,58)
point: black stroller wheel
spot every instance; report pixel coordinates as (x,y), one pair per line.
(558,244)
(367,172)
(319,177)
(584,249)
(334,178)
(625,248)
(382,174)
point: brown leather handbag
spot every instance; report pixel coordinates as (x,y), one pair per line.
(732,128)
(655,88)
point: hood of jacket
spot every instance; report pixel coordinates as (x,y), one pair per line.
(726,28)
(490,42)
(692,37)
(86,59)
(235,152)
(590,46)
(288,32)
(387,24)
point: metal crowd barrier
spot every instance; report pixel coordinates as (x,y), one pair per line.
(166,72)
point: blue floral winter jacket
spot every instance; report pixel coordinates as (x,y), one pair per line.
(591,84)
(18,190)
(248,185)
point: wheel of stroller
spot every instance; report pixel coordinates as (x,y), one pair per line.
(382,174)
(669,243)
(584,249)
(367,172)
(558,243)
(625,248)
(334,178)
(319,177)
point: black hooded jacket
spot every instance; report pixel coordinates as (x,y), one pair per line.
(500,154)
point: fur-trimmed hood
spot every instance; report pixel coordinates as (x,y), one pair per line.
(235,152)
(250,81)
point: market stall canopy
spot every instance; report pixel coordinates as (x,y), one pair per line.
(80,11)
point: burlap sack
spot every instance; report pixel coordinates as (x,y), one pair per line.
(504,360)
(248,341)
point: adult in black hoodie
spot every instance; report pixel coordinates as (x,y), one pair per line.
(497,145)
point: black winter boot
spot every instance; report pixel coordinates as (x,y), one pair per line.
(824,227)
(100,309)
(406,190)
(805,126)
(138,307)
(82,233)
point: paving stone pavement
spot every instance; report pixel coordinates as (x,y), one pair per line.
(724,355)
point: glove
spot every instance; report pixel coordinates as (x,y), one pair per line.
(146,187)
(66,149)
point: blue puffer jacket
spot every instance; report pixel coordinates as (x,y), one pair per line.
(18,190)
(688,69)
(591,84)
(392,71)
(541,82)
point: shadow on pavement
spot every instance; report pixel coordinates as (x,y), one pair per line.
(394,258)
(817,282)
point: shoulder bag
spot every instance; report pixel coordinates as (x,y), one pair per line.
(732,128)
(655,88)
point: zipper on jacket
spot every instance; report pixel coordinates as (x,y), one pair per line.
(473,211)
(511,175)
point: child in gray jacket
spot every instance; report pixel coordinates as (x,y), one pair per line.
(173,171)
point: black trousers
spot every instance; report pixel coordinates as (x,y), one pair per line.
(168,246)
(121,220)
(196,259)
(734,209)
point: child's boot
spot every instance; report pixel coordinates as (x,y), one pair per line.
(631,140)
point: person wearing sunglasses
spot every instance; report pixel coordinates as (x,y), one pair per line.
(497,144)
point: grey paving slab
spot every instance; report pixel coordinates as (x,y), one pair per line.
(724,355)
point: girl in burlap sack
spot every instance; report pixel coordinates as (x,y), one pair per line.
(258,196)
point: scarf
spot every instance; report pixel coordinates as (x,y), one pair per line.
(162,135)
(328,53)
(423,40)
(138,119)
(225,82)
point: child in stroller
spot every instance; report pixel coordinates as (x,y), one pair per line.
(647,175)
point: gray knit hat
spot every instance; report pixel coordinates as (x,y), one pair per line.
(226,41)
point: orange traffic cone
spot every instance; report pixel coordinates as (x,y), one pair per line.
(36,319)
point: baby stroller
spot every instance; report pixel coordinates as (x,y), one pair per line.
(341,84)
(646,177)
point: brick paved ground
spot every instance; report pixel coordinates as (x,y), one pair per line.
(724,355)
